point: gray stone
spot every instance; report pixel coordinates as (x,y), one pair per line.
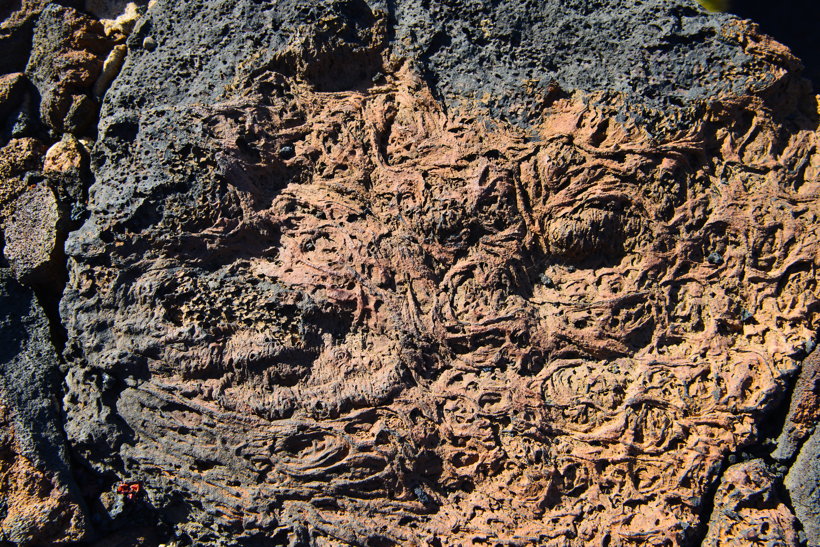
(658,54)
(30,387)
(803,484)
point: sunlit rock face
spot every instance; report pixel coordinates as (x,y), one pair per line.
(328,295)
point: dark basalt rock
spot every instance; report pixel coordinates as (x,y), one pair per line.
(229,350)
(12,91)
(803,484)
(17,21)
(657,54)
(67,54)
(43,503)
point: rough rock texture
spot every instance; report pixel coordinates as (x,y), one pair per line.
(12,90)
(17,157)
(324,298)
(67,58)
(34,508)
(803,479)
(501,55)
(791,22)
(66,155)
(39,500)
(804,409)
(17,19)
(748,510)
(32,236)
(497,53)
(43,178)
(803,484)
(410,273)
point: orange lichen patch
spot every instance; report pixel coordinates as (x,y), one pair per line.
(37,511)
(452,328)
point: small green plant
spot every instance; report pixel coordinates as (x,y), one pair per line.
(715,5)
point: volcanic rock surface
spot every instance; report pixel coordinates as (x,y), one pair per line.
(40,502)
(409,273)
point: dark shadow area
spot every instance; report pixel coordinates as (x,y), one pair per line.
(791,22)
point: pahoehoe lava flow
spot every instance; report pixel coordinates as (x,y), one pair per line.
(402,272)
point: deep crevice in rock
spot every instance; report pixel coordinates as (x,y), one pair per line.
(771,428)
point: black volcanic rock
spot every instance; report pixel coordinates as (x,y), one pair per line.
(657,54)
(803,484)
(41,501)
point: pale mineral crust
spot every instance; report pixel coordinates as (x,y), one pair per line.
(417,273)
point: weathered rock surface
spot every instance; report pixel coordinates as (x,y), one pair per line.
(749,511)
(804,409)
(407,273)
(12,91)
(17,157)
(803,484)
(17,21)
(32,237)
(67,58)
(43,173)
(40,503)
(328,295)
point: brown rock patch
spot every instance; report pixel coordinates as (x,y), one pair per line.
(36,510)
(382,320)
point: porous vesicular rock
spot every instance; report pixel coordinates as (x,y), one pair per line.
(405,273)
(803,485)
(804,407)
(67,154)
(33,236)
(40,504)
(17,157)
(34,508)
(42,195)
(67,57)
(12,89)
(17,21)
